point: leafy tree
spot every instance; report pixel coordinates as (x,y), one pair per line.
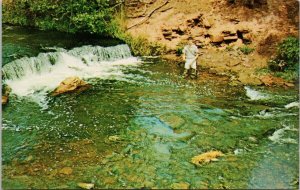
(93,16)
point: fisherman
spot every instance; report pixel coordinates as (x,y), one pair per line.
(190,55)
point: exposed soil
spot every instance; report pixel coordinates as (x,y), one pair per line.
(219,29)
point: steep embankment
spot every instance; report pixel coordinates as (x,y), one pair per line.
(235,39)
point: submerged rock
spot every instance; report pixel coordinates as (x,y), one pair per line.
(206,157)
(86,185)
(4,100)
(5,93)
(252,139)
(239,151)
(173,120)
(114,138)
(70,84)
(181,185)
(66,171)
(29,158)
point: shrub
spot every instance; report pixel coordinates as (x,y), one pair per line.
(287,57)
(140,45)
(101,17)
(94,16)
(246,50)
(179,51)
(180,46)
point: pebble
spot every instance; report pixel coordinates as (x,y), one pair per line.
(66,171)
(252,139)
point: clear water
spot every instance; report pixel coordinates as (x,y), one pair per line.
(142,129)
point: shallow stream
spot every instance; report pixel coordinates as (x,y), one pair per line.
(139,124)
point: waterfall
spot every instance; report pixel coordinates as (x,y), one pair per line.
(44,62)
(37,76)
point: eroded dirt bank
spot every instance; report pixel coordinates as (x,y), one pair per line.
(222,31)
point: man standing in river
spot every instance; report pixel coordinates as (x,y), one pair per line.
(190,55)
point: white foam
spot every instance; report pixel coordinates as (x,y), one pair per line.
(255,95)
(277,136)
(37,84)
(239,151)
(291,105)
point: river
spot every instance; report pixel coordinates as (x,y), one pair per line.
(140,123)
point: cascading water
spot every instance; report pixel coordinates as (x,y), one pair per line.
(139,125)
(255,95)
(39,75)
(44,62)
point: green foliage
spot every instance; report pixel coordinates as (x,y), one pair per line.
(287,57)
(287,75)
(246,50)
(229,48)
(286,63)
(77,16)
(141,46)
(179,51)
(180,46)
(93,16)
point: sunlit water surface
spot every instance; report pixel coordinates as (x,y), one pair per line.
(140,124)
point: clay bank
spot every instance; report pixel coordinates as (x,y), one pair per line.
(237,39)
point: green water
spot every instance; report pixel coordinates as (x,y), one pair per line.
(142,133)
(19,42)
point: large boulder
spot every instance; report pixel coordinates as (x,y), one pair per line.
(5,94)
(173,120)
(216,38)
(230,38)
(182,29)
(71,84)
(243,28)
(4,100)
(194,20)
(248,37)
(229,32)
(270,80)
(207,23)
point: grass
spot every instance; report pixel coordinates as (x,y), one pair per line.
(139,45)
(286,75)
(246,50)
(229,48)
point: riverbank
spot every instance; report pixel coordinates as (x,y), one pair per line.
(235,40)
(240,69)
(140,123)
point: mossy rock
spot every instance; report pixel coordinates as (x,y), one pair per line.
(173,120)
